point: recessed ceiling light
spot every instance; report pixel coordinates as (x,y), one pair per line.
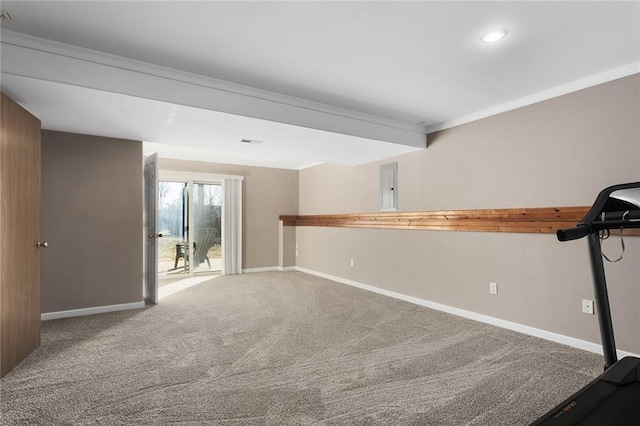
(493,35)
(254,141)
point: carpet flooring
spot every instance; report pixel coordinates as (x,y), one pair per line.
(287,348)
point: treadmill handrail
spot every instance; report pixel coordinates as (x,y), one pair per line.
(569,234)
(612,220)
(597,208)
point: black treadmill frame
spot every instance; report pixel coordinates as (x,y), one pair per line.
(605,214)
(597,219)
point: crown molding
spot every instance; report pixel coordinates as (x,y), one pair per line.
(574,86)
(70,51)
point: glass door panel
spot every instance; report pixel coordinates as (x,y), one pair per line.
(173,219)
(207,232)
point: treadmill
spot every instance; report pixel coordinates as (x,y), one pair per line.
(613,398)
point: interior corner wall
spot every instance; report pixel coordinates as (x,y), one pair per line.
(266,194)
(288,246)
(560,152)
(92,217)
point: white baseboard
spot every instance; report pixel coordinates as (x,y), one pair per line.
(269,269)
(525,329)
(263,269)
(90,311)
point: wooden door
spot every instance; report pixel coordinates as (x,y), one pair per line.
(19,234)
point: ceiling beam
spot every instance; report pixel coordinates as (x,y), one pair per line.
(42,59)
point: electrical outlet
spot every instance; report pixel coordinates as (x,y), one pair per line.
(493,288)
(352,262)
(587,306)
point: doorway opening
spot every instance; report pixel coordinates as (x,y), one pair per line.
(193,228)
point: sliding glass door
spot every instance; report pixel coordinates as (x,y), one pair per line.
(189,219)
(207,231)
(173,224)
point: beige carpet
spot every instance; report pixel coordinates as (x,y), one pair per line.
(287,349)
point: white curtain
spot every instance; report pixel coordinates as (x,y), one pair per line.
(232,227)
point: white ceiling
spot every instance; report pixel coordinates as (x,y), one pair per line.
(414,62)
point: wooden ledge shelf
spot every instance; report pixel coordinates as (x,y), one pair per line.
(544,220)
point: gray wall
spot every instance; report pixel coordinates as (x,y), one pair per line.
(92,218)
(560,152)
(287,247)
(266,194)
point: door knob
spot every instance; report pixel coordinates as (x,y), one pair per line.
(155,235)
(42,244)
